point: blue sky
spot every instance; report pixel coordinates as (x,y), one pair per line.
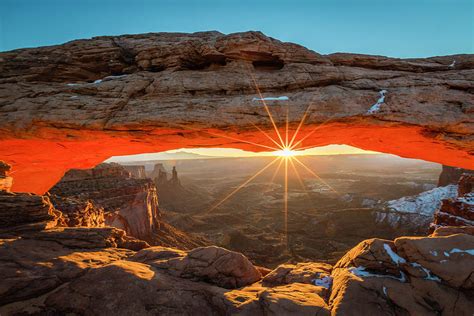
(398,28)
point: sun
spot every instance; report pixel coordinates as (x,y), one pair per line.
(287,148)
(285,152)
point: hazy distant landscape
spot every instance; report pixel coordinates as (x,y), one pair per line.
(324,219)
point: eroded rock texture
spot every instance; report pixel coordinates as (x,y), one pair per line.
(458,211)
(20,212)
(75,105)
(130,204)
(109,195)
(81,271)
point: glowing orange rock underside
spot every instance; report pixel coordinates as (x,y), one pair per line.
(39,163)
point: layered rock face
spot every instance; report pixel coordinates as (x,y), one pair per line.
(99,271)
(79,213)
(161,91)
(129,203)
(5,181)
(136,171)
(451,175)
(26,212)
(458,211)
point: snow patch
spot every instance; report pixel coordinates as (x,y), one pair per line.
(429,276)
(452,64)
(425,203)
(376,107)
(73,97)
(434,253)
(98,81)
(393,255)
(467,199)
(325,282)
(361,272)
(384,289)
(468,251)
(459,218)
(282,98)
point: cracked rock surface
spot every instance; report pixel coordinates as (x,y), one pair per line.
(74,105)
(101,271)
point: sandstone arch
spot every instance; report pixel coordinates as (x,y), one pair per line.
(74,105)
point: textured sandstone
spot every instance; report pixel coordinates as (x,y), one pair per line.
(79,213)
(93,271)
(21,212)
(6,182)
(136,171)
(451,175)
(305,272)
(216,265)
(425,276)
(109,195)
(75,105)
(130,204)
(458,211)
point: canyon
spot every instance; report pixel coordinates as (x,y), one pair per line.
(101,270)
(82,237)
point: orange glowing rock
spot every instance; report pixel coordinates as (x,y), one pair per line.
(154,92)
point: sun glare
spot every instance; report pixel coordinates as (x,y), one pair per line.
(285,152)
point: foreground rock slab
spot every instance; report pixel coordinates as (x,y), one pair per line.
(97,271)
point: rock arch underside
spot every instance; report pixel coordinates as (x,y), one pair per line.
(75,105)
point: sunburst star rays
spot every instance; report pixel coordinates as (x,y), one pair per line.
(285,152)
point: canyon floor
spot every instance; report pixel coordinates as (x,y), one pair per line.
(325,218)
(60,255)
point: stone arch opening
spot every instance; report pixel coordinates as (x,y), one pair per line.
(357,202)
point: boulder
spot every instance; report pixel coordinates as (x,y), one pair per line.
(305,272)
(212,264)
(22,212)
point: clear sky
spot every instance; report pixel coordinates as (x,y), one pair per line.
(398,28)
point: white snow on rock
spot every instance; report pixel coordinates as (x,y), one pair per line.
(425,203)
(282,98)
(98,81)
(468,251)
(467,199)
(428,276)
(325,282)
(393,255)
(459,218)
(376,107)
(361,272)
(452,64)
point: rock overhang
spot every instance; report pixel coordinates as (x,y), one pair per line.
(75,105)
